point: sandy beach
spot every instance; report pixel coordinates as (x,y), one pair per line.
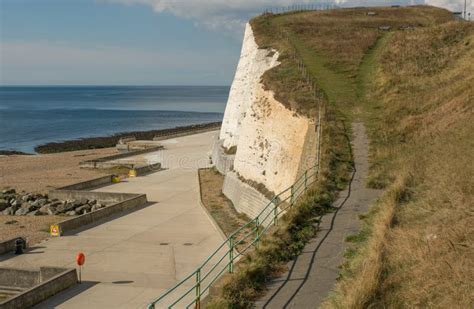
(34,229)
(56,168)
(40,173)
(43,172)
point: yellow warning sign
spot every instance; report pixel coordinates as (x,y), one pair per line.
(132,173)
(54,230)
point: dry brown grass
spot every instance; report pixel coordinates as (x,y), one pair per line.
(294,229)
(282,243)
(332,45)
(418,251)
(218,205)
(361,274)
(344,36)
(417,244)
(422,123)
(430,250)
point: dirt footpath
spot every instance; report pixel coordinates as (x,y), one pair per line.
(40,173)
(312,275)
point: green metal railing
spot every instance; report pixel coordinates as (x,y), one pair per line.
(190,291)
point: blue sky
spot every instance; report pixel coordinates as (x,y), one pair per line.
(130,42)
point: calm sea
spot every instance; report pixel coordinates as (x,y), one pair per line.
(30,116)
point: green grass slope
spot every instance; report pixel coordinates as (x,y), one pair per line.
(416,249)
(412,86)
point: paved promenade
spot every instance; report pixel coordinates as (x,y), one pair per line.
(134,258)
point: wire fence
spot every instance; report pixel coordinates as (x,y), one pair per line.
(190,291)
(299,8)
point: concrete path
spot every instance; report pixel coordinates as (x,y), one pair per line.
(312,275)
(134,258)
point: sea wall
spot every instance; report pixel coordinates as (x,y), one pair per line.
(245,198)
(222,161)
(38,285)
(9,245)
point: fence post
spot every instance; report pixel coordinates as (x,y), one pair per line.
(305,180)
(257,225)
(291,196)
(198,288)
(275,214)
(231,254)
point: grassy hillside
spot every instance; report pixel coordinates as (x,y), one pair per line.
(416,249)
(332,45)
(408,74)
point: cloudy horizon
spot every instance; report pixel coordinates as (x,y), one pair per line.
(129,42)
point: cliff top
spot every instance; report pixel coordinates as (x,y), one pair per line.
(408,74)
(332,45)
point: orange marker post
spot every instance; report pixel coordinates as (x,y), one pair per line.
(80,260)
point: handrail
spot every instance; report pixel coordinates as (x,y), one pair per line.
(309,177)
(271,210)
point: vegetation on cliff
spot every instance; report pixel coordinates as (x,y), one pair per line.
(408,74)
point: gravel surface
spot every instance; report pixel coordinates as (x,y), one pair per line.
(40,173)
(35,229)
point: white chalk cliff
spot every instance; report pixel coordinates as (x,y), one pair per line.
(274,144)
(252,64)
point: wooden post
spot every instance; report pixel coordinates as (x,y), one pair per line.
(305,180)
(231,254)
(198,289)
(291,197)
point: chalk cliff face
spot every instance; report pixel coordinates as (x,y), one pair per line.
(274,145)
(252,64)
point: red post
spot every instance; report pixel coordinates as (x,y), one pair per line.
(80,260)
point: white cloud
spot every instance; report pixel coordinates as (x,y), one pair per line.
(453,5)
(39,62)
(232,14)
(229,15)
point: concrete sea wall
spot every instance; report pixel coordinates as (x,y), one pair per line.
(83,220)
(245,198)
(222,161)
(38,285)
(118,202)
(89,184)
(9,245)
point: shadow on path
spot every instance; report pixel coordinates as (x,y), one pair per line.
(65,295)
(313,273)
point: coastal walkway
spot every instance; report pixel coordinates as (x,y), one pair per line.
(313,274)
(133,258)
